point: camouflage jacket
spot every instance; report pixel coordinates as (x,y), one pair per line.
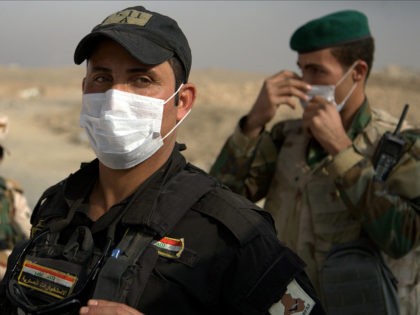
(14,219)
(318,200)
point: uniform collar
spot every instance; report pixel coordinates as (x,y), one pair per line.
(360,120)
(141,207)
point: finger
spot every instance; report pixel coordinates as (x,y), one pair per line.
(287,94)
(282,75)
(294,88)
(289,80)
(107,310)
(290,101)
(295,83)
(101,303)
(105,307)
(321,101)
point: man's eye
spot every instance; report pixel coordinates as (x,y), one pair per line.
(315,71)
(143,80)
(101,79)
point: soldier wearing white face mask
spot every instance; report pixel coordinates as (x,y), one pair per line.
(140,230)
(108,118)
(328,92)
(316,173)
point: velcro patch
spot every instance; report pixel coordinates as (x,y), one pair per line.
(133,17)
(47,280)
(170,247)
(294,301)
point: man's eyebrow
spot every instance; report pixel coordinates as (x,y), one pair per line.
(141,69)
(100,69)
(145,69)
(313,66)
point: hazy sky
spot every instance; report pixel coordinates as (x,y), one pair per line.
(241,35)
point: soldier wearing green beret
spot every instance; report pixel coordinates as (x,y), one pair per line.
(316,173)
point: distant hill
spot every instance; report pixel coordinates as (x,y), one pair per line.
(46,143)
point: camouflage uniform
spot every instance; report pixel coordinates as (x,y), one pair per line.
(14,219)
(318,200)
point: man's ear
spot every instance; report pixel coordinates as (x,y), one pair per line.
(360,71)
(186,100)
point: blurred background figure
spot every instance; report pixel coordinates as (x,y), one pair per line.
(14,209)
(324,176)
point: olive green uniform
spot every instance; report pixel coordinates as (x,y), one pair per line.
(14,219)
(318,200)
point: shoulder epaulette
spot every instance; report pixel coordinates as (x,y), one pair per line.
(233,211)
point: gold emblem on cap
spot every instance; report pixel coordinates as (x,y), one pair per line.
(128,17)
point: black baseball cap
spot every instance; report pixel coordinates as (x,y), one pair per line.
(150,37)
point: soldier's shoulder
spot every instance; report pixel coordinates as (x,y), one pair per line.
(242,217)
(387,120)
(13,184)
(412,133)
(412,139)
(383,117)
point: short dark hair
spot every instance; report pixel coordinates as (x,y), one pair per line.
(179,71)
(179,74)
(363,49)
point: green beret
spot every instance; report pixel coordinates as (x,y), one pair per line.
(330,30)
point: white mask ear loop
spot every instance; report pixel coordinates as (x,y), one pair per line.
(177,124)
(181,120)
(343,102)
(346,74)
(176,92)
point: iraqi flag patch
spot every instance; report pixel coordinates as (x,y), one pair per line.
(47,280)
(170,247)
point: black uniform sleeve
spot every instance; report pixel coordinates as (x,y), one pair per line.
(263,275)
(297,298)
(273,281)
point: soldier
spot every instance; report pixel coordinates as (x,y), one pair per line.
(316,173)
(140,230)
(14,210)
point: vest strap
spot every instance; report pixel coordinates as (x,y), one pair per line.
(117,271)
(134,258)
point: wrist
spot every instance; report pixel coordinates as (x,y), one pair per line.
(340,146)
(248,128)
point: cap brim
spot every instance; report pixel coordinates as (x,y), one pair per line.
(140,47)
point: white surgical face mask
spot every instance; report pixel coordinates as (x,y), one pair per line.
(123,128)
(328,92)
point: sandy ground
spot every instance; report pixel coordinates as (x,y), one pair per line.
(45,143)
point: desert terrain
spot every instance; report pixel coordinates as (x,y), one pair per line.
(44,142)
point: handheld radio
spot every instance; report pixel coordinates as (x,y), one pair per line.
(389,150)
